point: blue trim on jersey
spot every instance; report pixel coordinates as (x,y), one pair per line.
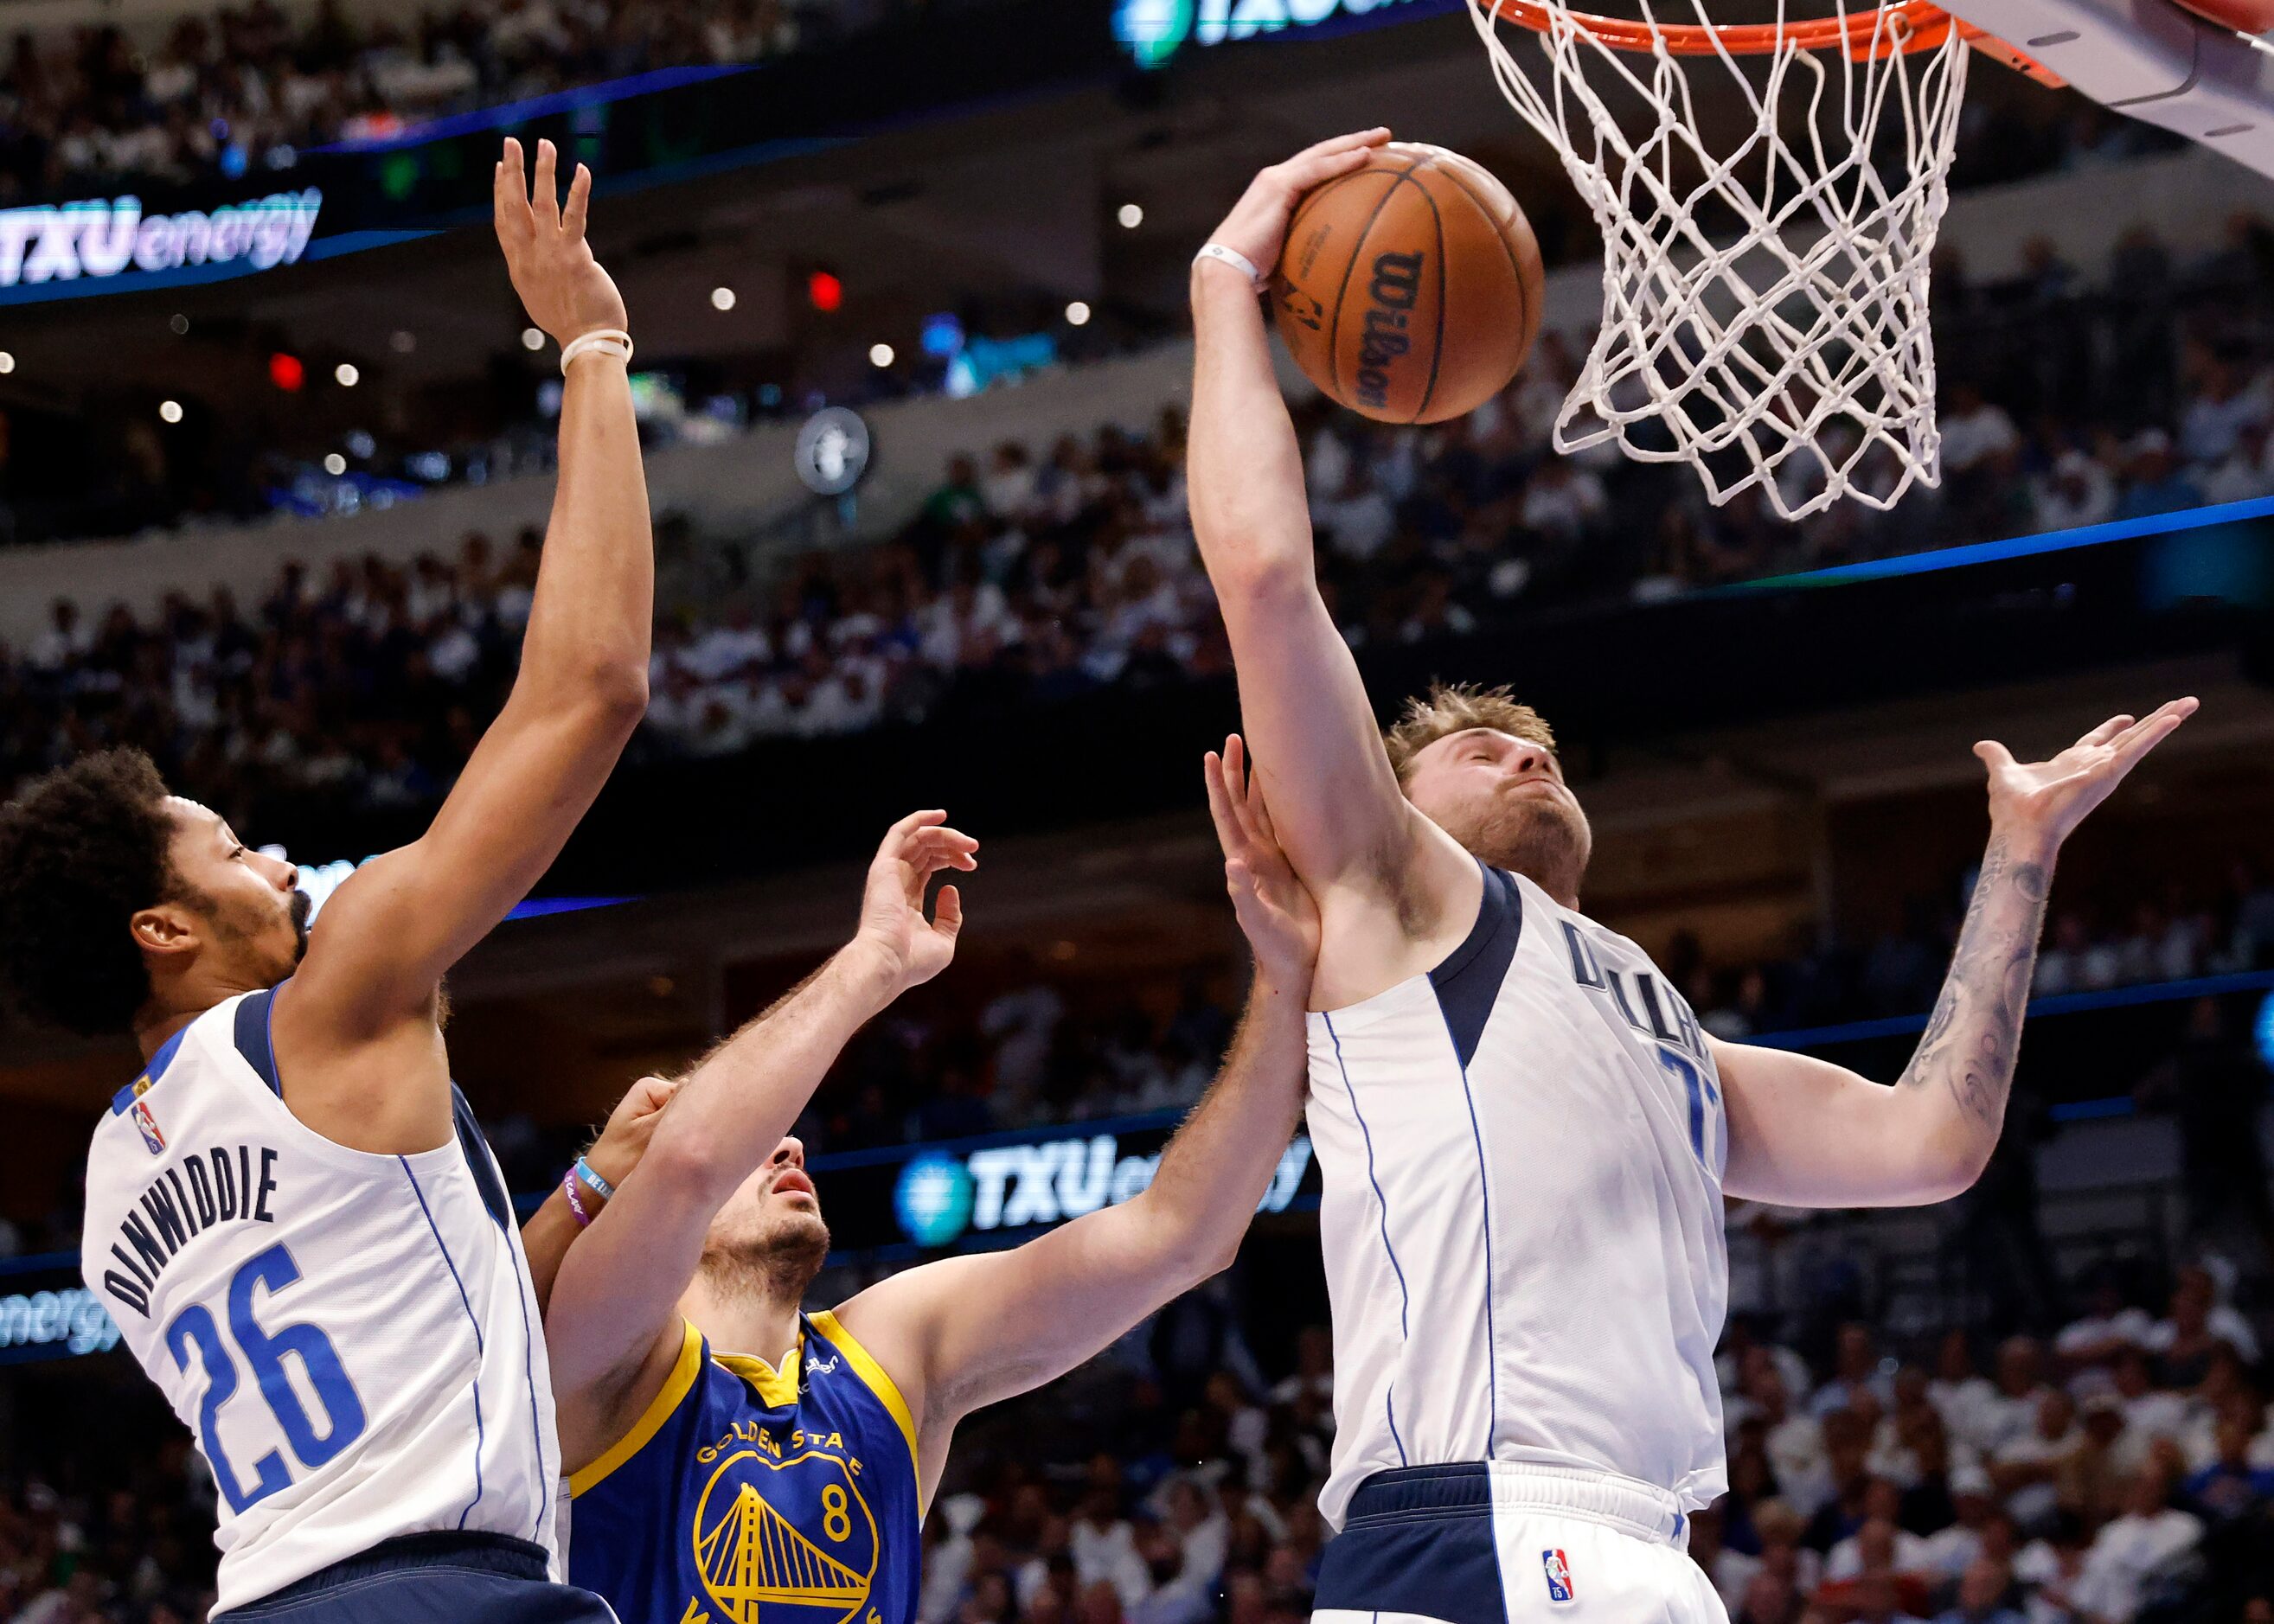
(477,1151)
(1469,981)
(529,1370)
(1389,1398)
(254,1040)
(1490,947)
(479,1352)
(1484,1191)
(145,1079)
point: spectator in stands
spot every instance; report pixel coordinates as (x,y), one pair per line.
(1982,1592)
(2130,1548)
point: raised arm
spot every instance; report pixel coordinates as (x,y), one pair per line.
(966,1332)
(385,939)
(1804,1132)
(1340,812)
(612,1325)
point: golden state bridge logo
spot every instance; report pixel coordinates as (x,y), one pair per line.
(792,1534)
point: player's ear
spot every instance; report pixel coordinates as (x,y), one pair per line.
(169,928)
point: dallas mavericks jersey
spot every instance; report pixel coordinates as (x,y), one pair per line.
(351,1338)
(746,1492)
(1521,1212)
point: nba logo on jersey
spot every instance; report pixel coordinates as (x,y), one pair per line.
(1559,1576)
(148,1124)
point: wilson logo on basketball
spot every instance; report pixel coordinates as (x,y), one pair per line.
(1396,283)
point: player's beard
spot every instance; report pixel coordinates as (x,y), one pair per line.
(776,1265)
(1546,841)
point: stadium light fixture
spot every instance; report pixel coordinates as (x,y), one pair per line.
(335,464)
(346,372)
(1077,314)
(1129,215)
(170,411)
(880,355)
(722,298)
(7,363)
(531,339)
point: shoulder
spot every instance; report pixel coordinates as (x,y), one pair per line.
(887,1387)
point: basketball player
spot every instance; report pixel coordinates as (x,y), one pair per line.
(1525,1138)
(731,1453)
(291,1213)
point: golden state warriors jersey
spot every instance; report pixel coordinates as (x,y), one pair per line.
(747,1492)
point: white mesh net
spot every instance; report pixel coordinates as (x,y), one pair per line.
(1765,304)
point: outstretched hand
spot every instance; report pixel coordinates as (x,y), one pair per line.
(893,923)
(2045,800)
(1276,912)
(1257,225)
(561,286)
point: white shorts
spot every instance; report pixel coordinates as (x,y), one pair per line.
(1504,1542)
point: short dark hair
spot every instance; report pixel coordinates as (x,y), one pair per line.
(82,851)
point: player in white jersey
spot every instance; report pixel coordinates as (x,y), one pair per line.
(290,1213)
(1524,1137)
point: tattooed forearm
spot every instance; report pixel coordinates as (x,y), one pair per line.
(1975,1034)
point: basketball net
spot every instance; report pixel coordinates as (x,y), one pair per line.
(1764,306)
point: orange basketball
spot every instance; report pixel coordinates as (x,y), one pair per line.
(1408,290)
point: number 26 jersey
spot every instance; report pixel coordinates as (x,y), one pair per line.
(351,1338)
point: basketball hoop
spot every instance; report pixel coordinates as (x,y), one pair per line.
(1764,306)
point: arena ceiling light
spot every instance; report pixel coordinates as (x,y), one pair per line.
(1077,314)
(170,411)
(722,298)
(180,324)
(880,355)
(335,464)
(531,339)
(347,374)
(1129,215)
(7,363)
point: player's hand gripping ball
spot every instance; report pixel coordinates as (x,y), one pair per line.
(1408,289)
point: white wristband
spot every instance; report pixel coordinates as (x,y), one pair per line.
(1233,258)
(607,341)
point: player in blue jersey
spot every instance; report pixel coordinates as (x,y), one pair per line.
(734,1458)
(290,1213)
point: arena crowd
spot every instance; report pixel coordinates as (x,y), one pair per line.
(2119,1469)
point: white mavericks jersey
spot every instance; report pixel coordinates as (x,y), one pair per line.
(352,1339)
(1521,1214)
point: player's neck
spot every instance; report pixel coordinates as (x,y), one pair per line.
(177,1001)
(740,1320)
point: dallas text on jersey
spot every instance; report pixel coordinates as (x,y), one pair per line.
(214,1186)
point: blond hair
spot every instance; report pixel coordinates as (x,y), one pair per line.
(1454,708)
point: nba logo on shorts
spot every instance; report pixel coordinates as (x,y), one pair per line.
(1559,1576)
(148,1124)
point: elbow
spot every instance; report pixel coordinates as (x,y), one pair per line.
(678,1163)
(1949,1174)
(1263,578)
(616,693)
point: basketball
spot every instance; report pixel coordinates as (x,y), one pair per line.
(1408,290)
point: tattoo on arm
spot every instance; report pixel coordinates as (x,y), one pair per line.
(1974,1035)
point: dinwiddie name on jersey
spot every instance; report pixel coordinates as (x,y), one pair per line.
(227,1184)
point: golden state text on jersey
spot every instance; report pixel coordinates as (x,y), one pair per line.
(746,1493)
